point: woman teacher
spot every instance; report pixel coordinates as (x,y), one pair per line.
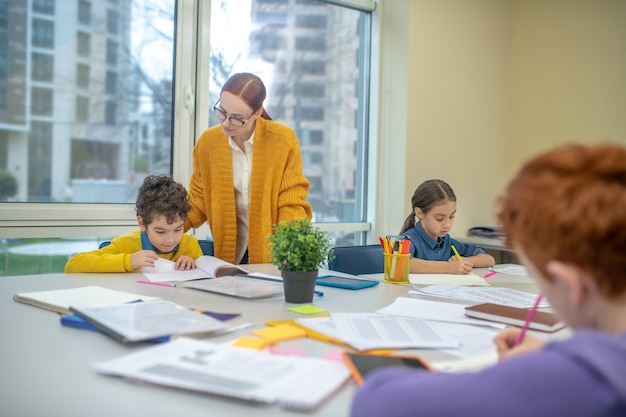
(247,174)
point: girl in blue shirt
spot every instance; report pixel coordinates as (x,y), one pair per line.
(428,226)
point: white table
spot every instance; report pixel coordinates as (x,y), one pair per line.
(46,369)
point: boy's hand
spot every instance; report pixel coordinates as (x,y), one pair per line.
(184,263)
(459,267)
(143,258)
(505,342)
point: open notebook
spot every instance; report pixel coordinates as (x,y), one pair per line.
(206,267)
(291,382)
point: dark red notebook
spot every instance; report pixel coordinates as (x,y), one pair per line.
(543,321)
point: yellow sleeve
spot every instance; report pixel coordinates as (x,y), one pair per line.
(188,246)
(112,258)
(294,189)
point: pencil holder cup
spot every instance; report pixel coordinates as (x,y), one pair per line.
(397,268)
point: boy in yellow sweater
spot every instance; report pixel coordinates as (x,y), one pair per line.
(162,207)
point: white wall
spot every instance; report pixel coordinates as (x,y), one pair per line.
(492,82)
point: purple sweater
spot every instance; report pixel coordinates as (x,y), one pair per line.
(584,375)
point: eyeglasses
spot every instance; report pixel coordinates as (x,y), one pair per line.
(222,115)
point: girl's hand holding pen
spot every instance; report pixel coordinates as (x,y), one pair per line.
(455,266)
(505,343)
(459,265)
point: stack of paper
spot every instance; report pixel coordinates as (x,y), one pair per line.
(364,331)
(431,279)
(496,295)
(291,382)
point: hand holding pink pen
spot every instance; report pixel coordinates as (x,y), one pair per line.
(529,318)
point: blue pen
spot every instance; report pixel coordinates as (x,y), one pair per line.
(321,294)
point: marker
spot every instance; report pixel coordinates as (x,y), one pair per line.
(490,274)
(529,318)
(162,284)
(457,254)
(319,293)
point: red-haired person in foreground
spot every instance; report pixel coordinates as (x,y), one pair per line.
(162,208)
(565,215)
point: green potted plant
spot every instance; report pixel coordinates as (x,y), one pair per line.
(298,250)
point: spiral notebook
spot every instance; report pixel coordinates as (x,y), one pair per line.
(290,382)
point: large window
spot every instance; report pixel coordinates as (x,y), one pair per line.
(310,55)
(84,120)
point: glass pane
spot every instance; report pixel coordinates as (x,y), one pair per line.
(41,256)
(84,119)
(307,53)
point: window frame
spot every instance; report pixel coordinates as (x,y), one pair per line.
(191,113)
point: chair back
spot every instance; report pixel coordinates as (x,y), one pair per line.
(356,260)
(206,246)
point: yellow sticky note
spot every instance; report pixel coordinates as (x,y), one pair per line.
(279,333)
(307,309)
(381,351)
(250,342)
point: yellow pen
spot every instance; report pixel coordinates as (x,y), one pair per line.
(456,252)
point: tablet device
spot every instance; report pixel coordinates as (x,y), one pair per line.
(345,282)
(361,364)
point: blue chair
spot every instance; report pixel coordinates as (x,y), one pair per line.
(206,246)
(105,243)
(356,260)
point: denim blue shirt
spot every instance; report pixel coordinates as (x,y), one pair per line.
(425,247)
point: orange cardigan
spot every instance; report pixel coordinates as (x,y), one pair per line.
(278,188)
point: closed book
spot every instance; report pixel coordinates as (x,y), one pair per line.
(543,321)
(92,296)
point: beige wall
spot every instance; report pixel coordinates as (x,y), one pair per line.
(569,74)
(459,102)
(492,82)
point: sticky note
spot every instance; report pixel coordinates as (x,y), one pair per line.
(287,351)
(307,309)
(279,333)
(334,355)
(250,343)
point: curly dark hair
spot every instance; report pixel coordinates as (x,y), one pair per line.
(161,195)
